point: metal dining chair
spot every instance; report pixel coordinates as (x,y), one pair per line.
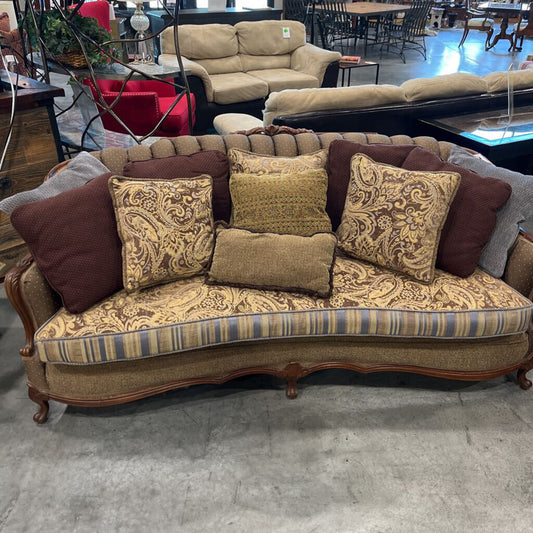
(336,24)
(410,34)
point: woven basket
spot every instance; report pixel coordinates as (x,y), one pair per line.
(72,59)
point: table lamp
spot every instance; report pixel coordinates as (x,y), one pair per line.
(140,23)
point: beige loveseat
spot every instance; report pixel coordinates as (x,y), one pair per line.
(234,68)
(186,332)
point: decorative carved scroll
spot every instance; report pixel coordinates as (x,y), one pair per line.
(12,286)
(274,130)
(42,401)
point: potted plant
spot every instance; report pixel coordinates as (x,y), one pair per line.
(57,32)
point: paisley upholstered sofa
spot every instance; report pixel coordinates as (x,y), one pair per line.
(186,332)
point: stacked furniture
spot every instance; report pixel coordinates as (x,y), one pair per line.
(234,68)
(132,289)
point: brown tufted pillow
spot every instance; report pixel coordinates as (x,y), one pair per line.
(340,154)
(211,162)
(74,241)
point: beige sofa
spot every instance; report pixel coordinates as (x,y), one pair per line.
(234,68)
(230,332)
(387,109)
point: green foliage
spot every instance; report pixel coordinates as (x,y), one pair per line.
(59,38)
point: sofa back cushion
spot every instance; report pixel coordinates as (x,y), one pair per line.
(446,86)
(221,65)
(266,37)
(264,62)
(201,41)
(291,101)
(498,81)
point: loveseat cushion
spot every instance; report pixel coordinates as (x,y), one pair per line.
(202,41)
(366,300)
(279,79)
(221,65)
(237,87)
(269,37)
(264,62)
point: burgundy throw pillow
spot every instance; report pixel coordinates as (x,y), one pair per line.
(74,241)
(472,215)
(211,162)
(340,155)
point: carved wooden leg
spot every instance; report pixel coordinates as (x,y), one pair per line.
(291,373)
(521,375)
(42,401)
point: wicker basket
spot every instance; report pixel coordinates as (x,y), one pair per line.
(72,59)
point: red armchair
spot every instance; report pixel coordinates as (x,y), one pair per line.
(141,106)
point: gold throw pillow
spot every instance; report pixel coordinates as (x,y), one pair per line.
(393,217)
(274,262)
(281,203)
(166,228)
(251,163)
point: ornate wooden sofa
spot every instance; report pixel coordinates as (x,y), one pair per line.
(286,353)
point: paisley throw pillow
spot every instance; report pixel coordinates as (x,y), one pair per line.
(166,228)
(393,217)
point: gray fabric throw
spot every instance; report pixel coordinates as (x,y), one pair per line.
(518,208)
(83,168)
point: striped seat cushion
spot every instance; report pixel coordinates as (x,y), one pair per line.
(366,300)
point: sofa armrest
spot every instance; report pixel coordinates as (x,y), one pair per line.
(312,60)
(32,298)
(195,70)
(519,270)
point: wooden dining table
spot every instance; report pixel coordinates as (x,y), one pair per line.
(363,10)
(505,11)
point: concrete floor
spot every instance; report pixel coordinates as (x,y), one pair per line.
(381,453)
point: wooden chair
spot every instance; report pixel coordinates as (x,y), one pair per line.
(477,20)
(524,28)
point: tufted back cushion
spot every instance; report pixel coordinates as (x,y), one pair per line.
(498,81)
(266,37)
(285,144)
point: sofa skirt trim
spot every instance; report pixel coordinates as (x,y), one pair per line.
(291,373)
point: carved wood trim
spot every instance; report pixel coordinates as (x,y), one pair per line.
(274,130)
(57,169)
(42,401)
(521,374)
(528,236)
(291,373)
(12,284)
